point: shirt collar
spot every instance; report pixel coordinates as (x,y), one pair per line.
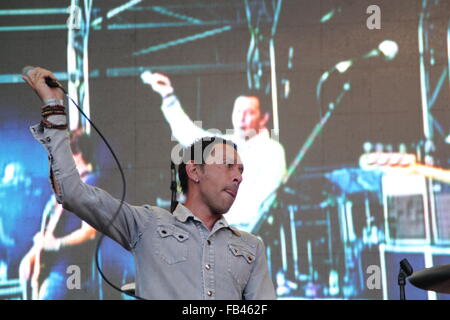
(182,213)
(222,221)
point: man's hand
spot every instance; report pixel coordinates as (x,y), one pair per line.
(51,243)
(48,242)
(36,80)
(159,83)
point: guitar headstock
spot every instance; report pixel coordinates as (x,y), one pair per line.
(387,160)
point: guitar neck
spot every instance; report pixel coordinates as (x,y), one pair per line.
(433,172)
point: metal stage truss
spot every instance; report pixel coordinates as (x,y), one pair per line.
(83,20)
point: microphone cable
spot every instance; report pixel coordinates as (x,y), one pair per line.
(54,84)
(173,187)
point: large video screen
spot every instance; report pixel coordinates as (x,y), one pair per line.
(339,108)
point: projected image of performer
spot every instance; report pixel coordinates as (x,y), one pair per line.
(192,253)
(263,157)
(63,239)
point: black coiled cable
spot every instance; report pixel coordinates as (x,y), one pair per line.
(55,84)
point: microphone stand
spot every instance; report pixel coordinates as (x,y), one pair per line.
(402,282)
(173,187)
(405,271)
(318,128)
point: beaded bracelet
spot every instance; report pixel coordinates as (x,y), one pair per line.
(53,107)
(51,113)
(49,125)
(50,110)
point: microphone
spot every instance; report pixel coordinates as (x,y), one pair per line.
(26,70)
(406,267)
(387,49)
(146,76)
(49,81)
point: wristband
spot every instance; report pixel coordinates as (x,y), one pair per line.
(47,124)
(169,95)
(48,111)
(53,102)
(55,109)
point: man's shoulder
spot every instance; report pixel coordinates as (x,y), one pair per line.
(275,143)
(159,213)
(267,137)
(248,237)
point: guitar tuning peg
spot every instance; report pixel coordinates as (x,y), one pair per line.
(367,147)
(379,147)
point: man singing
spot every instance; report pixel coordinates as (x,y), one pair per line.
(190,254)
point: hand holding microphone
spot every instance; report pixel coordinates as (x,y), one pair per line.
(43,82)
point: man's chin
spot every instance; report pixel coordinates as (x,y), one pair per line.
(229,207)
(225,209)
(247,133)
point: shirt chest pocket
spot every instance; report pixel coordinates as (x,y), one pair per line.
(171,244)
(240,262)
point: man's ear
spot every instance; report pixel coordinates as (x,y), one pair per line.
(192,171)
(264,119)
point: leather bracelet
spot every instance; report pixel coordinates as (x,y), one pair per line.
(47,124)
(53,107)
(53,110)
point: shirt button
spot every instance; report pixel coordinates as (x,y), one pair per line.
(209,293)
(48,139)
(208,267)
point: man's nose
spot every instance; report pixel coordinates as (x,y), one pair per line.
(237,177)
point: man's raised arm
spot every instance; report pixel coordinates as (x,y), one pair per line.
(91,204)
(183,128)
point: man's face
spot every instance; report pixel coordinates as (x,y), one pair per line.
(220,178)
(246,115)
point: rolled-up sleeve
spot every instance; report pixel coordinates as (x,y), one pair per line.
(91,204)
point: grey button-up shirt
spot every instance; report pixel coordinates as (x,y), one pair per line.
(176,256)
